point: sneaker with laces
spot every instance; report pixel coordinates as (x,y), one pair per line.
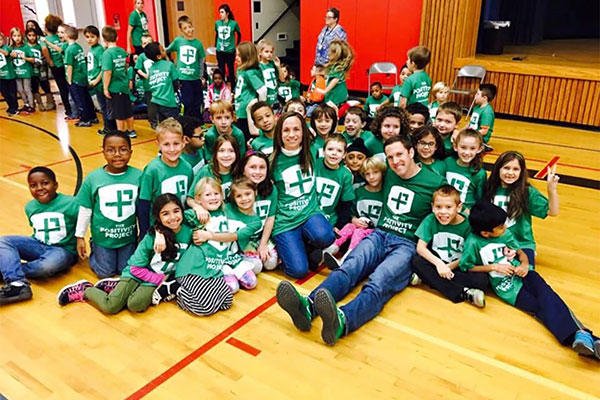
(248,280)
(330,261)
(415,280)
(475,297)
(232,282)
(334,320)
(167,291)
(15,292)
(132,134)
(296,305)
(73,292)
(83,124)
(583,343)
(107,285)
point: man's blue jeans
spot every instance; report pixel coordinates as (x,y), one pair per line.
(294,245)
(384,259)
(41,260)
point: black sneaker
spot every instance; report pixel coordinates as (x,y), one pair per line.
(330,261)
(296,305)
(15,292)
(167,291)
(334,320)
(487,148)
(103,131)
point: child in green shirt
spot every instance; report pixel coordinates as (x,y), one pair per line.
(270,67)
(482,117)
(374,101)
(22,59)
(163,81)
(264,118)
(520,286)
(417,86)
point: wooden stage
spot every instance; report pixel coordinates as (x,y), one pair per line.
(421,346)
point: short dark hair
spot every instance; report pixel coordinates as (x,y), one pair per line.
(152,51)
(420,55)
(376,84)
(44,170)
(488,90)
(335,12)
(189,124)
(404,139)
(451,108)
(91,29)
(184,19)
(418,108)
(109,34)
(485,216)
(256,106)
(118,134)
(358,111)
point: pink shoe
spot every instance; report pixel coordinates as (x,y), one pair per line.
(107,285)
(232,282)
(248,280)
(73,292)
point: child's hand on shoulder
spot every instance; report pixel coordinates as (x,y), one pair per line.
(202,214)
(201,236)
(160,244)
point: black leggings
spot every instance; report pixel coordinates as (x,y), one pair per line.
(227,59)
(63,87)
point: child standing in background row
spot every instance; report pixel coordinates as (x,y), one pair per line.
(249,88)
(341,58)
(163,81)
(36,52)
(270,67)
(23,60)
(54,57)
(482,117)
(8,83)
(417,86)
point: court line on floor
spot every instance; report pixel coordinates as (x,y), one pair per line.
(545,144)
(542,381)
(193,356)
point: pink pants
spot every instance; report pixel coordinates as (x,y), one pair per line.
(353,232)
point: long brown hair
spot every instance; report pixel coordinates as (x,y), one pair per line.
(248,56)
(214,164)
(518,203)
(305,155)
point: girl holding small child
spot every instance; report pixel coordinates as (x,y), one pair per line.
(508,188)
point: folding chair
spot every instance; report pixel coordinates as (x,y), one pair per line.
(383,68)
(466,84)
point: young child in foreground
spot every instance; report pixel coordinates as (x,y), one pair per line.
(520,286)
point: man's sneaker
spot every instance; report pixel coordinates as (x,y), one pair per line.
(248,280)
(487,148)
(415,280)
(232,282)
(73,292)
(330,261)
(475,297)
(15,292)
(296,305)
(107,285)
(103,132)
(334,320)
(167,291)
(132,134)
(583,343)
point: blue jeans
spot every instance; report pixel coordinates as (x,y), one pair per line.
(41,260)
(107,262)
(384,259)
(191,96)
(294,245)
(83,102)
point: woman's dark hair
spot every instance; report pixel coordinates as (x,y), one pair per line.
(335,12)
(264,188)
(170,252)
(36,27)
(305,155)
(423,131)
(518,203)
(225,7)
(324,110)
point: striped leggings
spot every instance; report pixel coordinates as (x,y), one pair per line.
(202,296)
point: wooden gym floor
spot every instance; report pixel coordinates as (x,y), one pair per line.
(421,346)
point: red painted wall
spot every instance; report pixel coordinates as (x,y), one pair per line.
(378,30)
(10,15)
(242,12)
(119,11)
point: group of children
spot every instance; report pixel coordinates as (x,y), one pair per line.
(205,206)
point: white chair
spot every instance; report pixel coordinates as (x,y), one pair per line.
(466,83)
(383,68)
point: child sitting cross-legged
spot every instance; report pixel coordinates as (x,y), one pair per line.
(520,286)
(441,238)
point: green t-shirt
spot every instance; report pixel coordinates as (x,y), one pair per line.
(115,59)
(270,77)
(196,160)
(54,223)
(266,207)
(7,70)
(466,180)
(248,82)
(210,138)
(372,103)
(297,197)
(75,57)
(288,90)
(445,241)
(112,199)
(190,58)
(56,56)
(208,172)
(485,251)
(372,143)
(333,186)
(247,227)
(139,22)
(339,93)
(159,178)
(94,66)
(36,51)
(368,204)
(483,116)
(317,147)
(262,143)
(407,201)
(161,76)
(416,88)
(23,69)
(395,95)
(225,35)
(144,255)
(522,228)
(437,166)
(143,64)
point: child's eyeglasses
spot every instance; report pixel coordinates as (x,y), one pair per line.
(425,144)
(201,136)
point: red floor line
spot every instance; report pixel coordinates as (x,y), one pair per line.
(245,347)
(70,159)
(154,383)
